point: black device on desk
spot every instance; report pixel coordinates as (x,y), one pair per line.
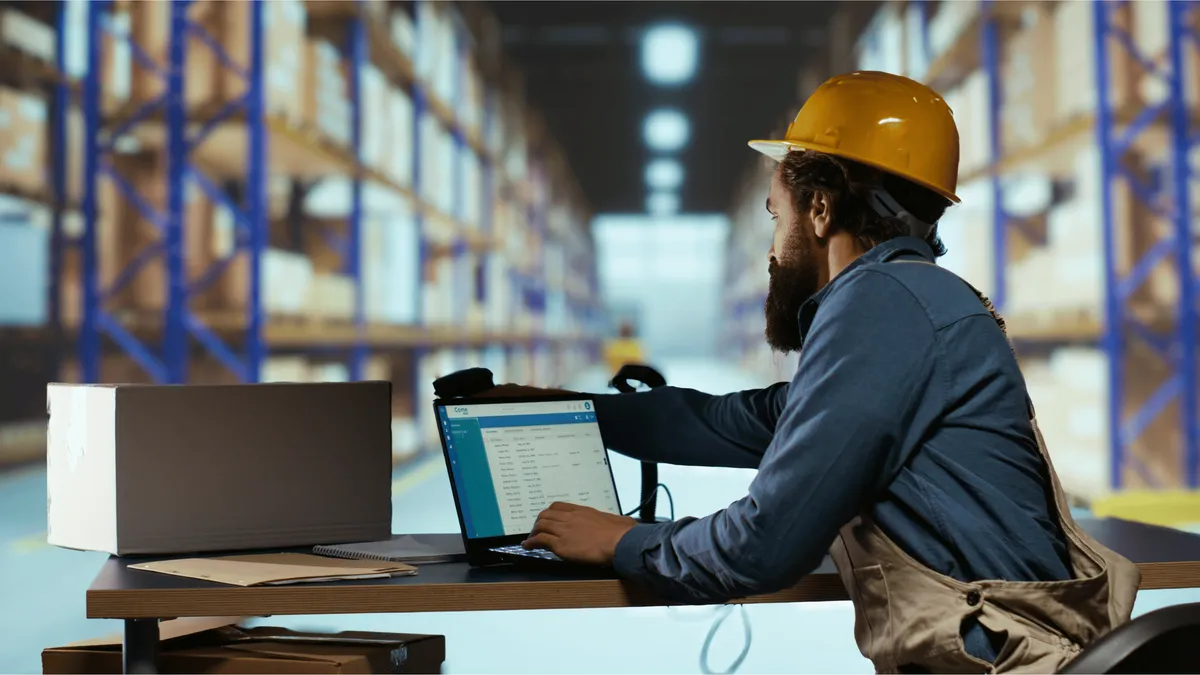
(509,459)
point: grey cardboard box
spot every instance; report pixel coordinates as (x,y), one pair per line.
(147,470)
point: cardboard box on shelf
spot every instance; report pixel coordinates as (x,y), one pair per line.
(27,35)
(403,33)
(285,277)
(1075,61)
(889,34)
(949,22)
(471,107)
(438,291)
(1151,33)
(24,273)
(285,67)
(125,232)
(399,161)
(247,466)
(330,371)
(1027,112)
(23,129)
(1070,390)
(287,369)
(391,271)
(216,645)
(324,89)
(375,115)
(150,26)
(331,296)
(116,59)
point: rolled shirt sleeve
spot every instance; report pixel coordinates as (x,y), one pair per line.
(687,427)
(864,372)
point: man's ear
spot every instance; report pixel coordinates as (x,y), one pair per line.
(821,214)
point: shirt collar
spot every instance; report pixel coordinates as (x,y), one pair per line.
(900,247)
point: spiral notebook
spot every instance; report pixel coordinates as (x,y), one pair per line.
(413,549)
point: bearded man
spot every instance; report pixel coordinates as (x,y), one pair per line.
(905,446)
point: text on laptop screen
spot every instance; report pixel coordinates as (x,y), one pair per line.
(509,461)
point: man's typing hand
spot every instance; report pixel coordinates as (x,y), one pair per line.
(579,534)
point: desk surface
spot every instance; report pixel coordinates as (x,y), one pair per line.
(1167,558)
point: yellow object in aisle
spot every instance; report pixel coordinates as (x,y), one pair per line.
(1171,509)
(623,351)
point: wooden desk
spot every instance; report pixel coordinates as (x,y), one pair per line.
(1167,558)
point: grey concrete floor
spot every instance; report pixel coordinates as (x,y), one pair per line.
(42,590)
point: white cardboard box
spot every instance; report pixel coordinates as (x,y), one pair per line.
(182,469)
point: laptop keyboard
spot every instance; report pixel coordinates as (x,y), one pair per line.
(522,551)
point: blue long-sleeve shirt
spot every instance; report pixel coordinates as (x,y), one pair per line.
(907,404)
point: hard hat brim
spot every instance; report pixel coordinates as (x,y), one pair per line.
(777,150)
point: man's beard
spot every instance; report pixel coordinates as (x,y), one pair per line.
(795,277)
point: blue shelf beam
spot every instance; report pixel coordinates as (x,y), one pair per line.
(990,41)
(357,51)
(58,178)
(169,363)
(1121,327)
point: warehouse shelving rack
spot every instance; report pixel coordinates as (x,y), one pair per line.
(47,77)
(1121,332)
(1116,130)
(179,325)
(1177,348)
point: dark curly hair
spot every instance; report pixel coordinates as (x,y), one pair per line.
(847,185)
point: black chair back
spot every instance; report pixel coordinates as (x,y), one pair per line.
(623,382)
(1163,641)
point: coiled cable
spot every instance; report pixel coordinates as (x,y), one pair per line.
(670,501)
(722,611)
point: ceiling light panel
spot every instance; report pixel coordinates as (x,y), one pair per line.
(666,130)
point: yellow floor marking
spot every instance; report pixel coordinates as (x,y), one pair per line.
(421,472)
(30,543)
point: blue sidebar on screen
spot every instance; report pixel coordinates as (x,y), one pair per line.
(471,471)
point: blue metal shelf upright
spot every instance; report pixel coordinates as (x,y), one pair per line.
(179,325)
(169,364)
(423,248)
(357,51)
(1178,348)
(990,42)
(58,177)
(1116,134)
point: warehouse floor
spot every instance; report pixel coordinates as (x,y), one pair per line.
(43,590)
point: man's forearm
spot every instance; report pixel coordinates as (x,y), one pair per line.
(688,427)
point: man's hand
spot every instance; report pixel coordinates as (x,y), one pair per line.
(579,534)
(520,390)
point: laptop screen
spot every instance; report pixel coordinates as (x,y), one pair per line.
(509,461)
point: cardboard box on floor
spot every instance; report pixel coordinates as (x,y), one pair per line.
(217,645)
(140,469)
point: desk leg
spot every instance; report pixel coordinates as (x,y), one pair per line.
(141,646)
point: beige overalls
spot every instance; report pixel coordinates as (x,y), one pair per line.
(909,618)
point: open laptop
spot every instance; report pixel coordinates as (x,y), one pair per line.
(511,458)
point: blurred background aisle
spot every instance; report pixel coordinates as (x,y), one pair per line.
(336,190)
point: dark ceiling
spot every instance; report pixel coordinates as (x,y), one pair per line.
(580,61)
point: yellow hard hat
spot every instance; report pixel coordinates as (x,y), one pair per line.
(882,120)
